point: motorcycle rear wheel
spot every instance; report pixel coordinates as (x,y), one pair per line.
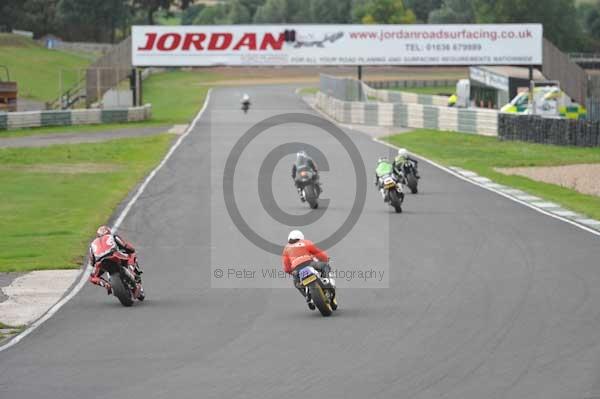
(395,201)
(120,290)
(320,299)
(412,183)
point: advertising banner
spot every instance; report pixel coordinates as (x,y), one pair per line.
(280,45)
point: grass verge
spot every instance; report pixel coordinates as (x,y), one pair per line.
(482,154)
(434,91)
(308,91)
(54,197)
(9,331)
(177,96)
(36,69)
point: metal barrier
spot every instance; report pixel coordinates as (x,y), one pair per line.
(342,88)
(557,131)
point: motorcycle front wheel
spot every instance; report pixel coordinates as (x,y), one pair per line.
(311,196)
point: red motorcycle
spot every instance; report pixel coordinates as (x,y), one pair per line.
(124,280)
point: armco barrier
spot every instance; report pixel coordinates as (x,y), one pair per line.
(558,131)
(17,120)
(484,122)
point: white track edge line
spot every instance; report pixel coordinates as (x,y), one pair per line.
(450,171)
(83,276)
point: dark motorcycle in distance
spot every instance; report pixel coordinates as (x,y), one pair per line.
(392,191)
(309,189)
(410,176)
(123,280)
(245,106)
(319,289)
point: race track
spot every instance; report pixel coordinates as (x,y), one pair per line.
(486,298)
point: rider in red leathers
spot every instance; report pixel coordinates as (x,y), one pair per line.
(299,253)
(128,251)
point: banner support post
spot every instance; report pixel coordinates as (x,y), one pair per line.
(360,72)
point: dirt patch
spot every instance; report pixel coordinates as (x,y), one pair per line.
(67,168)
(583,178)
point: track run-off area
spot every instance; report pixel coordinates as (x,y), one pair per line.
(482,297)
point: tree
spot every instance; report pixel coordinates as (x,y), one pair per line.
(385,12)
(93,20)
(149,7)
(39,16)
(273,11)
(251,5)
(238,13)
(422,8)
(453,12)
(191,13)
(559,17)
(327,11)
(11,12)
(212,15)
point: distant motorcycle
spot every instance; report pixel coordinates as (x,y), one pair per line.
(122,275)
(392,191)
(319,289)
(410,176)
(245,106)
(309,189)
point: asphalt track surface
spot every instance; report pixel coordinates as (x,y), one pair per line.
(486,299)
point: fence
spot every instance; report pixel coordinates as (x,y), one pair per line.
(558,131)
(346,89)
(107,71)
(16,120)
(558,66)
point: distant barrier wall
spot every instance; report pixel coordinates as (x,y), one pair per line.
(17,120)
(484,122)
(339,100)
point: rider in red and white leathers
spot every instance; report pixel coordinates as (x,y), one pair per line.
(105,233)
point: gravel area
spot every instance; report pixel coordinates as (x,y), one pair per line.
(583,178)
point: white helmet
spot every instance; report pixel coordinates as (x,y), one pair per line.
(295,235)
(245,97)
(402,152)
